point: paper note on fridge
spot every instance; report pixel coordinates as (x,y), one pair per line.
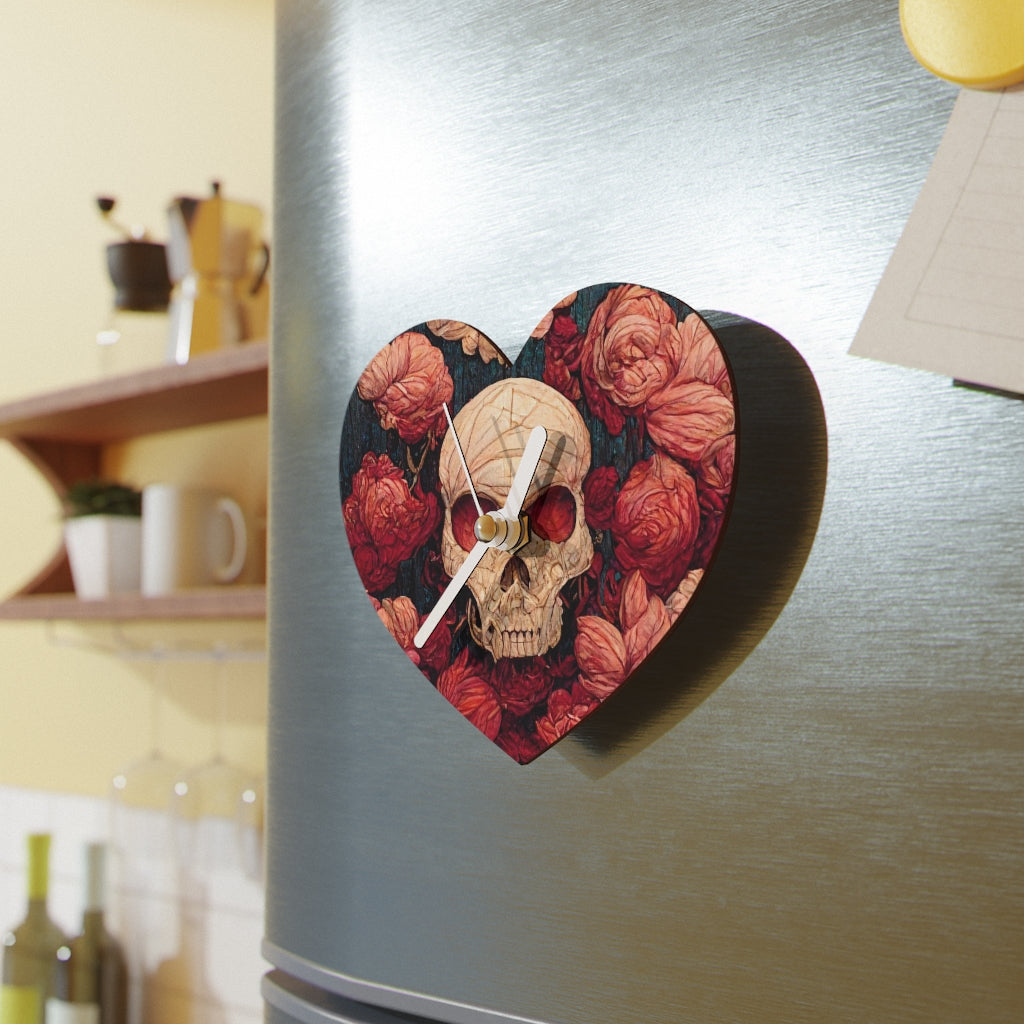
(952,297)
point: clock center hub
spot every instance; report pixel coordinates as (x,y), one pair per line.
(485,529)
(495,530)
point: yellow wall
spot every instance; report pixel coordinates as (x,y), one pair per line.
(142,100)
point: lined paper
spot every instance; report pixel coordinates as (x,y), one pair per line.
(952,297)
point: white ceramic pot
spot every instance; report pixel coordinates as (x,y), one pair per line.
(105,553)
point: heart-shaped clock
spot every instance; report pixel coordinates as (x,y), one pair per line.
(530,532)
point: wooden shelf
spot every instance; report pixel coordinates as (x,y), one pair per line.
(213,388)
(230,602)
(63,433)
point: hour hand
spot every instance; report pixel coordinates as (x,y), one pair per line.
(524,473)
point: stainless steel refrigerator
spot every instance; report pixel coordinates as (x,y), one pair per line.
(808,806)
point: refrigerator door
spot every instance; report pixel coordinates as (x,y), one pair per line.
(810,807)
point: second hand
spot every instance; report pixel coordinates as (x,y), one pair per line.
(462,459)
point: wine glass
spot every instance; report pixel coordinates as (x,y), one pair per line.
(147,783)
(217,806)
(141,840)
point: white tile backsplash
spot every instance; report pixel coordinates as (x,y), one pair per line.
(186,901)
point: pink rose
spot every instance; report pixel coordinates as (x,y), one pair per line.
(715,473)
(469,692)
(643,617)
(656,521)
(680,597)
(632,350)
(400,617)
(403,622)
(688,416)
(601,654)
(607,655)
(702,356)
(385,521)
(408,383)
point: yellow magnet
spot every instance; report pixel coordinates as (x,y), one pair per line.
(975,43)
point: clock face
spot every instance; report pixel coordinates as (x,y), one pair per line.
(526,572)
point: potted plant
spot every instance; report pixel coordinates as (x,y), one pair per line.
(103,537)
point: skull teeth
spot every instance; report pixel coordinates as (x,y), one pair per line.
(526,642)
(517,643)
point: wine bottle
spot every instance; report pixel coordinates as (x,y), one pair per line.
(30,948)
(90,976)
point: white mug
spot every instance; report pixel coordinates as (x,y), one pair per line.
(190,538)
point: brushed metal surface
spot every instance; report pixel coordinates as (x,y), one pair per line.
(837,831)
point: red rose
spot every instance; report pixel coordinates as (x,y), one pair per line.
(609,592)
(546,321)
(632,350)
(386,522)
(408,383)
(563,347)
(566,709)
(464,687)
(656,521)
(521,684)
(521,745)
(599,491)
(711,527)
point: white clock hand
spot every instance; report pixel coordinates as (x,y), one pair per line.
(505,528)
(524,473)
(507,517)
(462,459)
(431,622)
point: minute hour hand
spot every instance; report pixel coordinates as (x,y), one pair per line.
(444,602)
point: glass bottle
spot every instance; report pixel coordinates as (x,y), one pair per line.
(90,976)
(30,947)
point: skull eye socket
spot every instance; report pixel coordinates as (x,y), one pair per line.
(464,518)
(553,514)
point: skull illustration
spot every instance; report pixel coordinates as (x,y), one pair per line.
(518,613)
